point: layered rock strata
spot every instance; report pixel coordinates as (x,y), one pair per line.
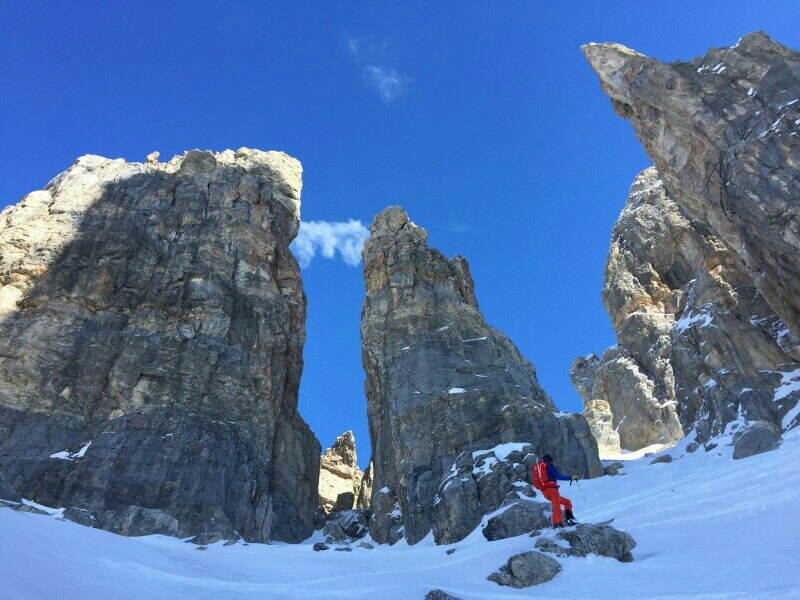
(152,321)
(442,389)
(722,131)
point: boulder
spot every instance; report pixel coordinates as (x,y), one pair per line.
(520,518)
(319,547)
(136,521)
(431,360)
(344,526)
(81,516)
(759,437)
(526,569)
(152,322)
(585,539)
(664,458)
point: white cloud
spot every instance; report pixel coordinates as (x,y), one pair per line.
(371,58)
(457,227)
(328,237)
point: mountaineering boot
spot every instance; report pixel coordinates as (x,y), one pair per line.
(570,517)
(558,526)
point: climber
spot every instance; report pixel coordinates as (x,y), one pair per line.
(545,477)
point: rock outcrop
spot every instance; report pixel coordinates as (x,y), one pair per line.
(722,131)
(339,476)
(590,538)
(443,388)
(704,269)
(152,321)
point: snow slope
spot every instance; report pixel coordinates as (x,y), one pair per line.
(706,526)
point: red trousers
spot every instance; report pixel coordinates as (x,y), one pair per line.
(556,500)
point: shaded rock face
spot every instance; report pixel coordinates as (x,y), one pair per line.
(364,497)
(441,382)
(721,130)
(339,475)
(699,348)
(755,439)
(152,320)
(520,518)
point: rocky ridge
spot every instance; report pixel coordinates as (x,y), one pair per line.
(152,321)
(444,391)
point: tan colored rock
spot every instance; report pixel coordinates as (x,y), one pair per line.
(339,476)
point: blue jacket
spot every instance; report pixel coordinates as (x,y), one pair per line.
(554,475)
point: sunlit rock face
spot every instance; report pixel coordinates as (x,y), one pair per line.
(340,479)
(442,385)
(152,321)
(699,348)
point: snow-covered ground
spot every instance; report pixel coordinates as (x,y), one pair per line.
(706,526)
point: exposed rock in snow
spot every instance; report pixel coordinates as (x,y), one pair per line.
(424,340)
(156,310)
(439,595)
(339,475)
(135,520)
(348,525)
(526,569)
(756,438)
(522,517)
(7,491)
(590,538)
(364,498)
(697,341)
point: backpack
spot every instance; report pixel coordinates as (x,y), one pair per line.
(540,480)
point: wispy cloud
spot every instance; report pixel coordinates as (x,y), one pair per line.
(371,57)
(326,238)
(457,227)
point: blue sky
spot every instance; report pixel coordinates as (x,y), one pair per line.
(482,119)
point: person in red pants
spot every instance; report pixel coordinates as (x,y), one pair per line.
(545,479)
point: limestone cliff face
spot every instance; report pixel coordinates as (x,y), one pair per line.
(442,384)
(152,321)
(722,131)
(699,348)
(339,476)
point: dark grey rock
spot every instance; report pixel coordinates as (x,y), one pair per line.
(664,458)
(692,447)
(27,508)
(343,549)
(520,518)
(386,522)
(585,539)
(526,569)
(432,361)
(81,516)
(611,470)
(319,546)
(136,521)
(7,491)
(365,546)
(757,438)
(344,501)
(439,595)
(319,519)
(346,525)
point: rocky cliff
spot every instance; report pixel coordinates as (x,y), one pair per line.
(446,394)
(722,130)
(152,321)
(699,348)
(340,478)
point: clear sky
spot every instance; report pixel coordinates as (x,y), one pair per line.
(482,119)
